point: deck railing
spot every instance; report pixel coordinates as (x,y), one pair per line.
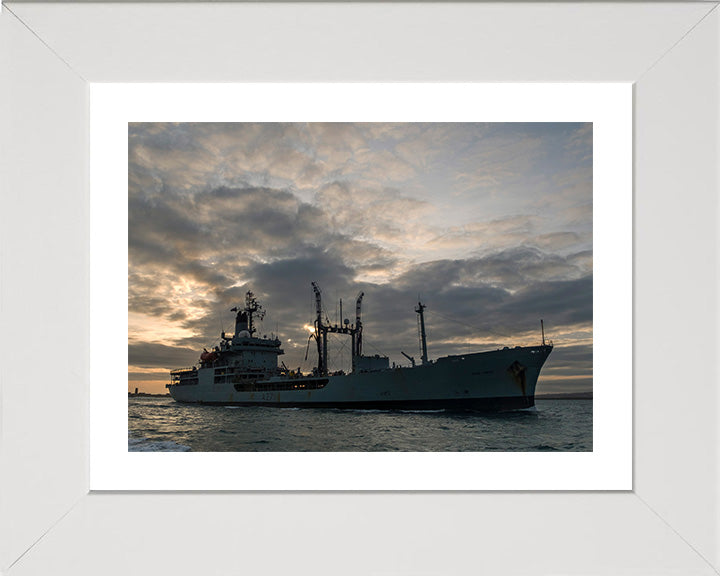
(180,370)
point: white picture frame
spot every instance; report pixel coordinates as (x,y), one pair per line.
(607,466)
(50,523)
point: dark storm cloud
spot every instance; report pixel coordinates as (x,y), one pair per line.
(570,361)
(285,245)
(162,228)
(470,312)
(511,269)
(503,291)
(567,301)
(141,302)
(284,288)
(220,236)
(316,264)
(153,355)
(454,312)
(220,224)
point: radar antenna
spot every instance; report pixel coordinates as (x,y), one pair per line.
(252,306)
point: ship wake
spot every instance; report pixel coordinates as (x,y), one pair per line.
(146,445)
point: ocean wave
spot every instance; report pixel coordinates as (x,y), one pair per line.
(543,448)
(530,409)
(147,445)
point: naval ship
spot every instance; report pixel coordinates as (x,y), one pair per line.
(243,371)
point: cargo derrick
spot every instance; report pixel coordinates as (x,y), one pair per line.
(322,329)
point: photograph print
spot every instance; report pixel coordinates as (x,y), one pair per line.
(327,287)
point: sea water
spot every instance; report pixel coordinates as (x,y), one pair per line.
(160,424)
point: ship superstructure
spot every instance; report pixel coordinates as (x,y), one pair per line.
(243,370)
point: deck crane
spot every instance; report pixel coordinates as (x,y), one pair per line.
(411,358)
(322,329)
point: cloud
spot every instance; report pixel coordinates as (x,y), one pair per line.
(570,361)
(512,269)
(152,354)
(580,142)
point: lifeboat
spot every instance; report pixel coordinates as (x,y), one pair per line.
(208,356)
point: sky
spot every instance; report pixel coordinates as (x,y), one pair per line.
(488,224)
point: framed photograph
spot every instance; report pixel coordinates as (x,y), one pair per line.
(64,219)
(572,154)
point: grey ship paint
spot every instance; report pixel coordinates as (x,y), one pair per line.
(244,371)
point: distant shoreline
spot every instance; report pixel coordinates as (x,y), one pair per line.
(568,396)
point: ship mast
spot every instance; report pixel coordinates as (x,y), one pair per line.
(320,332)
(420,309)
(252,306)
(244,317)
(357,332)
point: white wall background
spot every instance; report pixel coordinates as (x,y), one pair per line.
(669,525)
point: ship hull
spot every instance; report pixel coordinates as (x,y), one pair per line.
(473,404)
(486,381)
